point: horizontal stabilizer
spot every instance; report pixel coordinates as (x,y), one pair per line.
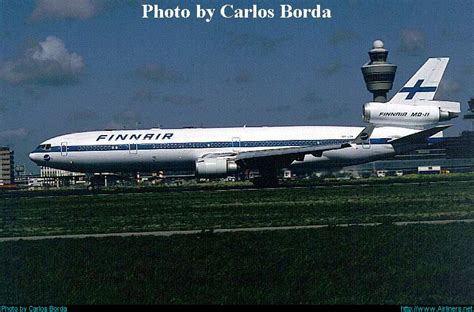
(448,106)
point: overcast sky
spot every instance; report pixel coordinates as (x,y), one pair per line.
(68,66)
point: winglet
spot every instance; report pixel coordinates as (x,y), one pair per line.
(364,135)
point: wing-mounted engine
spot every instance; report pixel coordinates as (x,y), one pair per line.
(215,167)
(408,115)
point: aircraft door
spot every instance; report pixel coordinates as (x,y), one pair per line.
(133,148)
(365,141)
(366,144)
(63,148)
(236,144)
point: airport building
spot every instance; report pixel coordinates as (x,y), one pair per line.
(47,172)
(470,114)
(56,177)
(7,173)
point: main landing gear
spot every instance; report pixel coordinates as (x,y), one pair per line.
(98,181)
(267,178)
(94,182)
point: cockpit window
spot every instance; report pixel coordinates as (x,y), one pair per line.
(45,146)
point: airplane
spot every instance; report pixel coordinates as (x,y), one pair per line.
(393,128)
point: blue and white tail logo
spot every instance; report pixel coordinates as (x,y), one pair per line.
(424,84)
(412,91)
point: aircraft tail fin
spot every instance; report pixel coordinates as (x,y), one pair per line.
(424,84)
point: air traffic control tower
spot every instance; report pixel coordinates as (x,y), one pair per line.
(378,74)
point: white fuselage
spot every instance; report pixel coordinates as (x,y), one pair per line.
(178,149)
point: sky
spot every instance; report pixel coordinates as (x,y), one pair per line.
(80,65)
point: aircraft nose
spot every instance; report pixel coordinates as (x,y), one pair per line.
(35,157)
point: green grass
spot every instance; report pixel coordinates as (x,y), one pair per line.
(418,264)
(173,210)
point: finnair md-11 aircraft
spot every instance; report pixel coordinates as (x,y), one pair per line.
(393,127)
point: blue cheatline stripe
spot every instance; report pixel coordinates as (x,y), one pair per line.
(191,145)
(198,145)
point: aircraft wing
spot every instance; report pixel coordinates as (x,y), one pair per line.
(408,142)
(419,137)
(282,156)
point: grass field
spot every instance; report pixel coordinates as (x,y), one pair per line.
(387,264)
(211,209)
(417,264)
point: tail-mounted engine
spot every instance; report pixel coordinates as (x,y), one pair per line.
(405,115)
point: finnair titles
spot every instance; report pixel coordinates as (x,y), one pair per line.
(147,136)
